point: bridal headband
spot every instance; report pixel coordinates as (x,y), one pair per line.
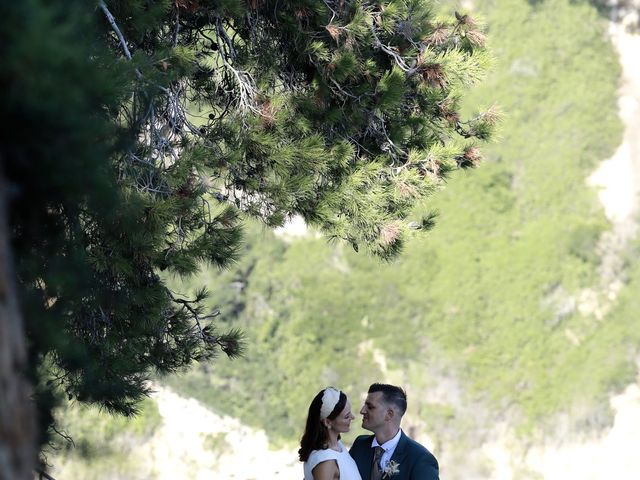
(330,399)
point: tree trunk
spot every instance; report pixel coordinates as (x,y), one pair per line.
(18,451)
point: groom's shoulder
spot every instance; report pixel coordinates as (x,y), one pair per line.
(417,447)
(424,463)
(362,440)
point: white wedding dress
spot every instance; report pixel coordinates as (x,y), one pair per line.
(348,468)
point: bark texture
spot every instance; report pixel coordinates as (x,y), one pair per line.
(18,450)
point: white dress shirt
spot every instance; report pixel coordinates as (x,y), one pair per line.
(389,447)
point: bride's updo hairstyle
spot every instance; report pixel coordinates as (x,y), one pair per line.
(328,403)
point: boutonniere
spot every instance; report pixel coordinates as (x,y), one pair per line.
(392,468)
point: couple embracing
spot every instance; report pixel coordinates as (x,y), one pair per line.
(388,454)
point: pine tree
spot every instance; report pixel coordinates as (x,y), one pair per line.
(17,416)
(144,131)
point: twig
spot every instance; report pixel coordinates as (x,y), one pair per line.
(66,436)
(186,304)
(247,89)
(177,30)
(114,25)
(42,474)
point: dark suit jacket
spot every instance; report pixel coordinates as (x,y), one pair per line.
(414,461)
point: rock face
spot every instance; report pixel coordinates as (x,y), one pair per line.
(614,455)
(196,443)
(618,178)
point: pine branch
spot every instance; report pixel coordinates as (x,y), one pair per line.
(116,29)
(197,317)
(246,85)
(397,58)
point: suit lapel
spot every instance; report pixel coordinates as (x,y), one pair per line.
(370,453)
(362,454)
(400,453)
(366,459)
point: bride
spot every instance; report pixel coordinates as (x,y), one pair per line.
(323,454)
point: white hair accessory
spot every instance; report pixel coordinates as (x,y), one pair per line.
(330,399)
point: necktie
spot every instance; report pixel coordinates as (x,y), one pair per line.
(376,472)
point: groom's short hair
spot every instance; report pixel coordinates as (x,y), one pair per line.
(392,395)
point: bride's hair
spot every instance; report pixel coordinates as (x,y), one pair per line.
(316,435)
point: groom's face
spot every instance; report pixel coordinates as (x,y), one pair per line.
(373,412)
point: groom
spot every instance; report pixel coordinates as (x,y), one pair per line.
(389,453)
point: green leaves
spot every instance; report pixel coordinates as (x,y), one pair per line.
(391,89)
(343,66)
(153,129)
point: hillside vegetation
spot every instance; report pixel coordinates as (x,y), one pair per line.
(104,446)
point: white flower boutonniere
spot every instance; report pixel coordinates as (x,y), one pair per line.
(392,468)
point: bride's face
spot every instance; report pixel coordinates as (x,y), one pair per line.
(342,423)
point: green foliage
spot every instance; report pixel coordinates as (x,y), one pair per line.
(216,443)
(391,89)
(144,132)
(489,299)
